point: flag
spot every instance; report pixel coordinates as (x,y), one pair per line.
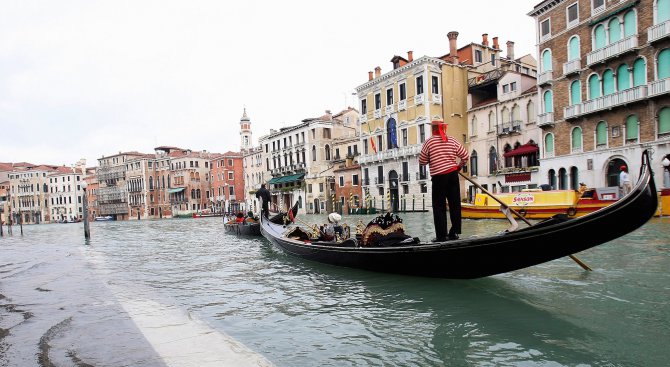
(290,216)
(372,144)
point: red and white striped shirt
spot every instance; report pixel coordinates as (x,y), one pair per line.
(441,155)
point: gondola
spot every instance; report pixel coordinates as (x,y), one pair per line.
(469,258)
(249,228)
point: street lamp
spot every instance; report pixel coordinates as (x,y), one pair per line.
(666,172)
(84,201)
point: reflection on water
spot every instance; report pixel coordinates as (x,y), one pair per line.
(136,277)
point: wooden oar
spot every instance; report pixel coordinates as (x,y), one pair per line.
(573,257)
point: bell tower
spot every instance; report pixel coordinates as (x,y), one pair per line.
(245,132)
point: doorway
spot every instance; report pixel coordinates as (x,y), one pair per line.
(393,185)
(316,206)
(613,170)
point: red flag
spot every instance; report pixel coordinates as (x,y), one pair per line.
(290,216)
(372,143)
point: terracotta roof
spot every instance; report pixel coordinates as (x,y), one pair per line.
(532,89)
(485,102)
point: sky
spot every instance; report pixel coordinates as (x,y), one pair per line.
(87,79)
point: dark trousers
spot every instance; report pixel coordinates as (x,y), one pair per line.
(446,188)
(266,210)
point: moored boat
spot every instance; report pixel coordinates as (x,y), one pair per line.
(104,218)
(251,227)
(206,215)
(477,257)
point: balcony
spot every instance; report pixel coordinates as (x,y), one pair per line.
(402,105)
(396,153)
(366,181)
(389,110)
(544,119)
(509,127)
(572,67)
(659,87)
(363,117)
(658,31)
(379,180)
(609,101)
(377,114)
(418,99)
(404,177)
(436,98)
(573,111)
(420,176)
(545,77)
(612,50)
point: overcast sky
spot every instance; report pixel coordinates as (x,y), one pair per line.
(86,79)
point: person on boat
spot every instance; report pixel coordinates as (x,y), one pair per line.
(445,156)
(264,195)
(240,218)
(624,181)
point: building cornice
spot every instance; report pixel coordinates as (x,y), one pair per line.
(380,79)
(544,7)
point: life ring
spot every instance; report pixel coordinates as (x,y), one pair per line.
(571,212)
(523,212)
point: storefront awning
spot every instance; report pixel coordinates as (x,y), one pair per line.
(521,150)
(285,179)
(173,191)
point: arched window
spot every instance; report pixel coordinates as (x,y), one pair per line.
(549,145)
(546,60)
(574,178)
(327,152)
(664,121)
(631,128)
(663,62)
(493,161)
(594,86)
(548,102)
(622,77)
(599,37)
(313,153)
(662,11)
(576,139)
(629,24)
(473,163)
(615,30)
(551,177)
(516,113)
(505,115)
(151,183)
(192,193)
(573,48)
(601,134)
(473,126)
(197,193)
(562,179)
(530,111)
(575,92)
(639,72)
(492,121)
(508,160)
(391,134)
(608,82)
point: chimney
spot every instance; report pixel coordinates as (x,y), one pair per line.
(485,39)
(410,56)
(378,72)
(510,50)
(369,75)
(495,43)
(453,50)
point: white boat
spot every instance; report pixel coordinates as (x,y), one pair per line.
(103,219)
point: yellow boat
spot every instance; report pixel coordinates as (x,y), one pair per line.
(538,204)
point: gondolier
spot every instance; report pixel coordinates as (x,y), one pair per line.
(445,156)
(265,197)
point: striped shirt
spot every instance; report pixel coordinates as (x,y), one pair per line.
(441,155)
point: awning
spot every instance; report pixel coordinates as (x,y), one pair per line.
(173,191)
(517,177)
(285,179)
(521,150)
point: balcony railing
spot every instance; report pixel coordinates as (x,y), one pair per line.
(658,31)
(572,66)
(418,99)
(363,117)
(546,118)
(366,181)
(390,154)
(377,114)
(436,98)
(545,77)
(421,176)
(404,177)
(612,50)
(379,180)
(614,99)
(402,105)
(509,127)
(659,87)
(572,111)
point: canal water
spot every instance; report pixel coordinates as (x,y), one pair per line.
(181,292)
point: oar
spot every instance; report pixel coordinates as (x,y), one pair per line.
(573,257)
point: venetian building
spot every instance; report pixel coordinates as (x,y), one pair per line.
(28,193)
(396,110)
(603,87)
(113,191)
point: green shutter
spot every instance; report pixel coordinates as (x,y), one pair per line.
(623,77)
(549,143)
(629,24)
(576,138)
(546,60)
(663,11)
(601,133)
(639,72)
(664,120)
(548,102)
(608,82)
(594,87)
(601,39)
(664,63)
(575,92)
(631,127)
(615,30)
(573,49)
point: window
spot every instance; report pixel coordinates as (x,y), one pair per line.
(573,15)
(546,61)
(576,139)
(404,137)
(664,121)
(608,82)
(594,86)
(573,48)
(629,24)
(574,178)
(309,188)
(562,179)
(492,121)
(548,102)
(549,145)
(622,77)
(506,88)
(403,91)
(389,96)
(320,186)
(422,133)
(327,152)
(478,56)
(493,160)
(597,6)
(473,163)
(545,29)
(341,181)
(419,85)
(231,176)
(599,37)
(516,114)
(493,59)
(551,177)
(663,61)
(424,188)
(631,128)
(639,72)
(473,126)
(575,92)
(435,85)
(662,11)
(313,153)
(380,174)
(378,101)
(601,134)
(231,190)
(614,27)
(365,146)
(354,180)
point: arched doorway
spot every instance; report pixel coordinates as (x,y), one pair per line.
(317,210)
(393,185)
(613,170)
